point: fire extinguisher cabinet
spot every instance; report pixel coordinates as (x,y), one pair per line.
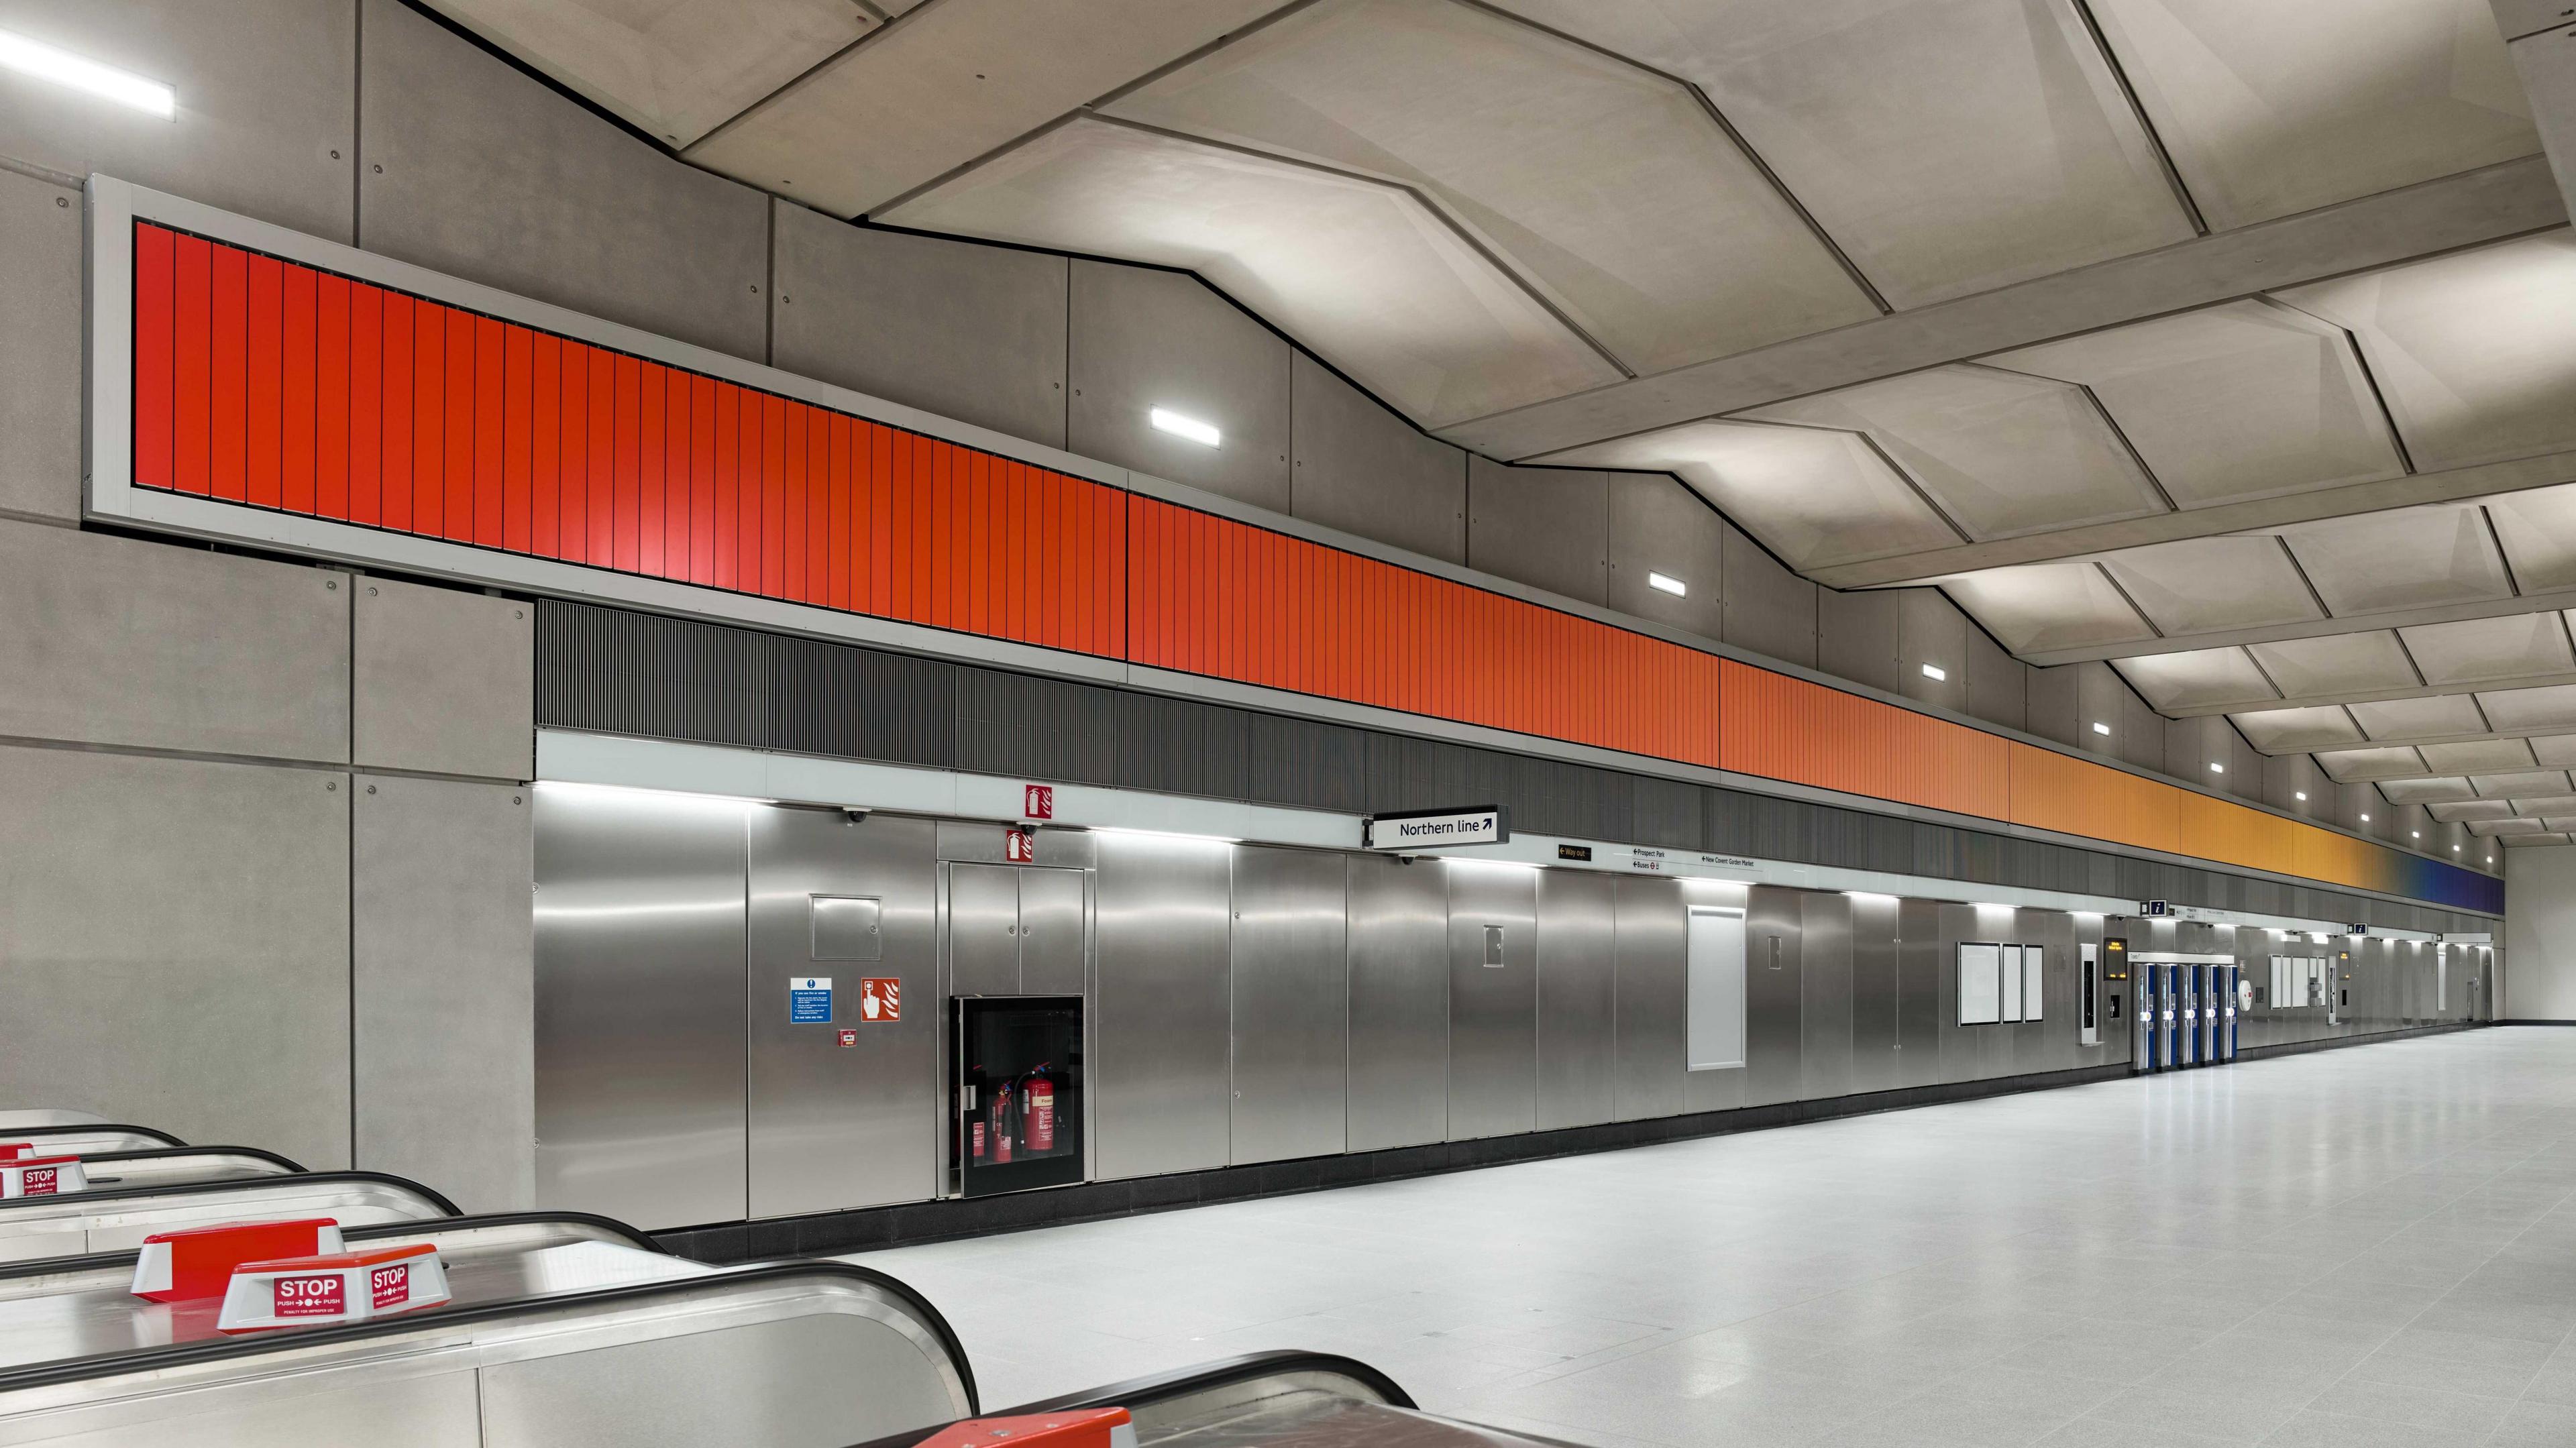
(1016,1101)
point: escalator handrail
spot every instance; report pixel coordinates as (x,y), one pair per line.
(113,1193)
(33,1135)
(124,1261)
(1224,1372)
(161,1153)
(179,1355)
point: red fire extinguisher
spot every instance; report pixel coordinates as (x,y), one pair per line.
(1037,1108)
(1000,1115)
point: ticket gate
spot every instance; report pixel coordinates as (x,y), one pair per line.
(2187,1006)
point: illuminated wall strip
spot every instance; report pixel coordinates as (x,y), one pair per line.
(273,384)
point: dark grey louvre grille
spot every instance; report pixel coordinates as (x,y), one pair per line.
(860,704)
(1039,728)
(636,673)
(1305,762)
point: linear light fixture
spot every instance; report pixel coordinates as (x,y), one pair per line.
(2365,818)
(34,57)
(1668,584)
(1166,420)
(2101,728)
(1165,835)
(2300,795)
(2217,768)
(1935,671)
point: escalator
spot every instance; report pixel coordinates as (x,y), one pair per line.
(88,1137)
(118,1217)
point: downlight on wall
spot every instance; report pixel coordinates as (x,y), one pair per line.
(2101,728)
(1666,583)
(1935,672)
(1166,420)
(2300,795)
(2217,768)
(34,57)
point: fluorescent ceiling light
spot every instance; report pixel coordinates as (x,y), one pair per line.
(2217,768)
(642,792)
(34,57)
(1165,835)
(1935,671)
(1669,584)
(1868,895)
(2101,728)
(1172,422)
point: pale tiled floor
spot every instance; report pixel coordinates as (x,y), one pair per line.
(2364,1246)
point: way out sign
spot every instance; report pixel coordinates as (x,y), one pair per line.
(1429,829)
(809,1000)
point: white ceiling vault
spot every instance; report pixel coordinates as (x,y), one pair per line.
(2233,343)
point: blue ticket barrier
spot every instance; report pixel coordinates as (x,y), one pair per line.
(2161,1016)
(2187,1051)
(2231,996)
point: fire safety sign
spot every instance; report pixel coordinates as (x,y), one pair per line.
(880,998)
(809,1000)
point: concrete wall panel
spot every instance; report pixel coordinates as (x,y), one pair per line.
(443,986)
(972,332)
(174,946)
(1768,609)
(267,93)
(1998,684)
(1856,636)
(117,641)
(472,169)
(2539,934)
(1546,527)
(1143,339)
(1659,526)
(1364,470)
(40,348)
(442,682)
(2053,708)
(1931,630)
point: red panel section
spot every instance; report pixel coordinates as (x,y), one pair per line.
(156,325)
(518,438)
(331,357)
(229,366)
(545,445)
(491,431)
(192,368)
(264,310)
(296,418)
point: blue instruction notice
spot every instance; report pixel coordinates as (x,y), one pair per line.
(809,1000)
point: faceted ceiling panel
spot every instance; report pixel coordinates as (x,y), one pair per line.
(2294,731)
(2199,679)
(2480,756)
(2512,710)
(2404,558)
(2424,791)
(2047,606)
(1358,269)
(958,81)
(2517,646)
(1610,185)
(2353,766)
(2538,530)
(2245,400)
(2482,809)
(2552,806)
(2269,107)
(2214,583)
(2557,749)
(2475,352)
(2548,839)
(1950,146)
(2352,663)
(1815,497)
(2420,718)
(677,69)
(2005,454)
(2522,785)
(2490,829)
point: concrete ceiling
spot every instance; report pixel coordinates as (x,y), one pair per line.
(2233,343)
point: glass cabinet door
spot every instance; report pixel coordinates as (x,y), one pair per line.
(1018,1093)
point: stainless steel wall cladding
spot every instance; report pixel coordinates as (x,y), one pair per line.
(835,1126)
(640,1027)
(1875,1061)
(1399,974)
(1493,999)
(1773,997)
(1825,996)
(1292,1004)
(1160,1080)
(1577,998)
(1650,943)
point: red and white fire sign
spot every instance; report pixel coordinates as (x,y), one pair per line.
(880,998)
(1037,802)
(1019,847)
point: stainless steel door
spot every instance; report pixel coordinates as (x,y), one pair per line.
(1399,974)
(1874,1057)
(1825,996)
(1577,991)
(1051,931)
(1291,1005)
(1493,998)
(1161,1088)
(836,1126)
(983,930)
(640,1047)
(1651,938)
(1922,961)
(1771,997)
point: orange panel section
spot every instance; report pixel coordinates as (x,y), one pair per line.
(1779,727)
